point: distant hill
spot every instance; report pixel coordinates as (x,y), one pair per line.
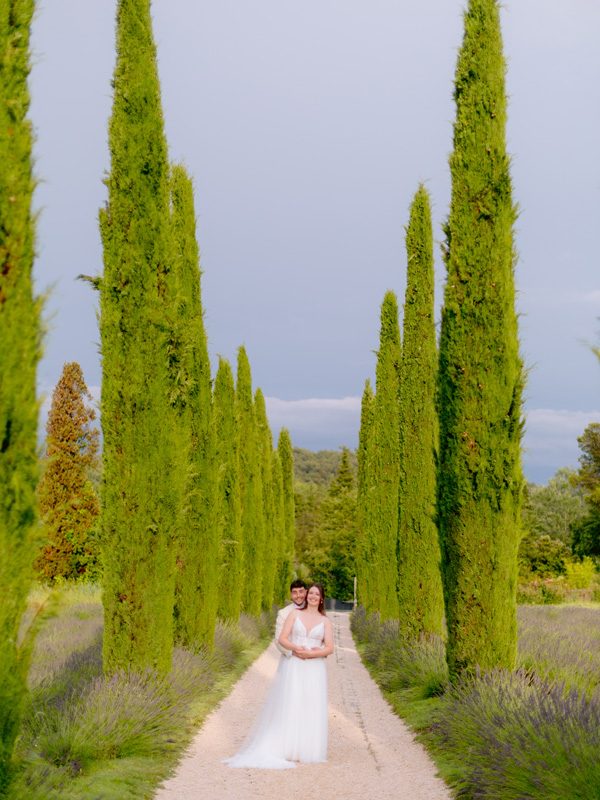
(318,468)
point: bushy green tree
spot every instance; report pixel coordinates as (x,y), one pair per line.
(142,479)
(19,354)
(197,574)
(420,596)
(228,506)
(380,523)
(271,541)
(251,491)
(286,559)
(554,508)
(364,486)
(480,369)
(67,503)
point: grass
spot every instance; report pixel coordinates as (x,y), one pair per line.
(531,734)
(90,737)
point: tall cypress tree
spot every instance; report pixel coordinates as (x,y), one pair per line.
(364,481)
(271,545)
(19,354)
(140,501)
(420,596)
(281,587)
(480,371)
(67,502)
(250,488)
(228,507)
(381,510)
(196,588)
(286,456)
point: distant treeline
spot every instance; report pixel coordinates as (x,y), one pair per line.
(319,468)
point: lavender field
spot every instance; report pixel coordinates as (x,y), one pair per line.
(90,737)
(531,734)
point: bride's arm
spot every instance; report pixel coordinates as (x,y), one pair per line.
(287,629)
(327,649)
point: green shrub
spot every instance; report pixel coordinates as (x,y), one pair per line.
(580,574)
(549,591)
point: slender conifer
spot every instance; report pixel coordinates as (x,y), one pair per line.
(364,545)
(228,507)
(250,488)
(140,498)
(381,510)
(480,372)
(19,354)
(281,573)
(286,456)
(271,545)
(420,596)
(197,574)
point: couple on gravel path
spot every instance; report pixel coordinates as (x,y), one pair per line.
(292,723)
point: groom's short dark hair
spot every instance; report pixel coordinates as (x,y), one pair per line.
(297,584)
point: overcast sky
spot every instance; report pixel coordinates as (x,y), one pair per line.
(307,127)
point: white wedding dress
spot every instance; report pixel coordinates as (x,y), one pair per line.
(292,722)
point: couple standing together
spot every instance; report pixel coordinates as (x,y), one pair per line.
(292,723)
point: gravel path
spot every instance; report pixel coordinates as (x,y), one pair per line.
(372,754)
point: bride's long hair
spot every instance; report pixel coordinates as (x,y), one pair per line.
(321,608)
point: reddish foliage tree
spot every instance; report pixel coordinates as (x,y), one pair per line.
(67,502)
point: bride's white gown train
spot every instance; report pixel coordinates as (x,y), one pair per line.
(292,723)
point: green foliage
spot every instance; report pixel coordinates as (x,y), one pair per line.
(143,446)
(542,557)
(580,574)
(587,477)
(196,587)
(286,559)
(380,516)
(67,502)
(319,468)
(19,354)
(365,577)
(420,597)
(326,531)
(228,506)
(270,562)
(480,369)
(586,535)
(251,489)
(554,509)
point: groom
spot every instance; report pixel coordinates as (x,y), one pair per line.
(298,592)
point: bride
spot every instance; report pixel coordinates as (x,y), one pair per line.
(292,723)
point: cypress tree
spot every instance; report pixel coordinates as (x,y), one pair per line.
(480,370)
(286,560)
(420,597)
(250,488)
(381,510)
(67,502)
(19,354)
(197,574)
(281,587)
(140,497)
(271,545)
(228,507)
(364,483)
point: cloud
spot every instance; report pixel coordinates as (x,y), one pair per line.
(317,423)
(550,440)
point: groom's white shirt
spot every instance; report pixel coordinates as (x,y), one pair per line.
(282,615)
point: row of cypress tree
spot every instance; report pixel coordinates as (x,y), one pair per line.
(195,502)
(441,436)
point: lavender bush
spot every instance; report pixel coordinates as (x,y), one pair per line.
(519,736)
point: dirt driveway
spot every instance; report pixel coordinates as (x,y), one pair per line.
(372,754)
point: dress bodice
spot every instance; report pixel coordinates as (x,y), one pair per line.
(313,639)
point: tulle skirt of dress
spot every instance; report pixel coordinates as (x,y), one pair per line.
(292,723)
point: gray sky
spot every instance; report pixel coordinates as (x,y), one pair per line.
(307,127)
